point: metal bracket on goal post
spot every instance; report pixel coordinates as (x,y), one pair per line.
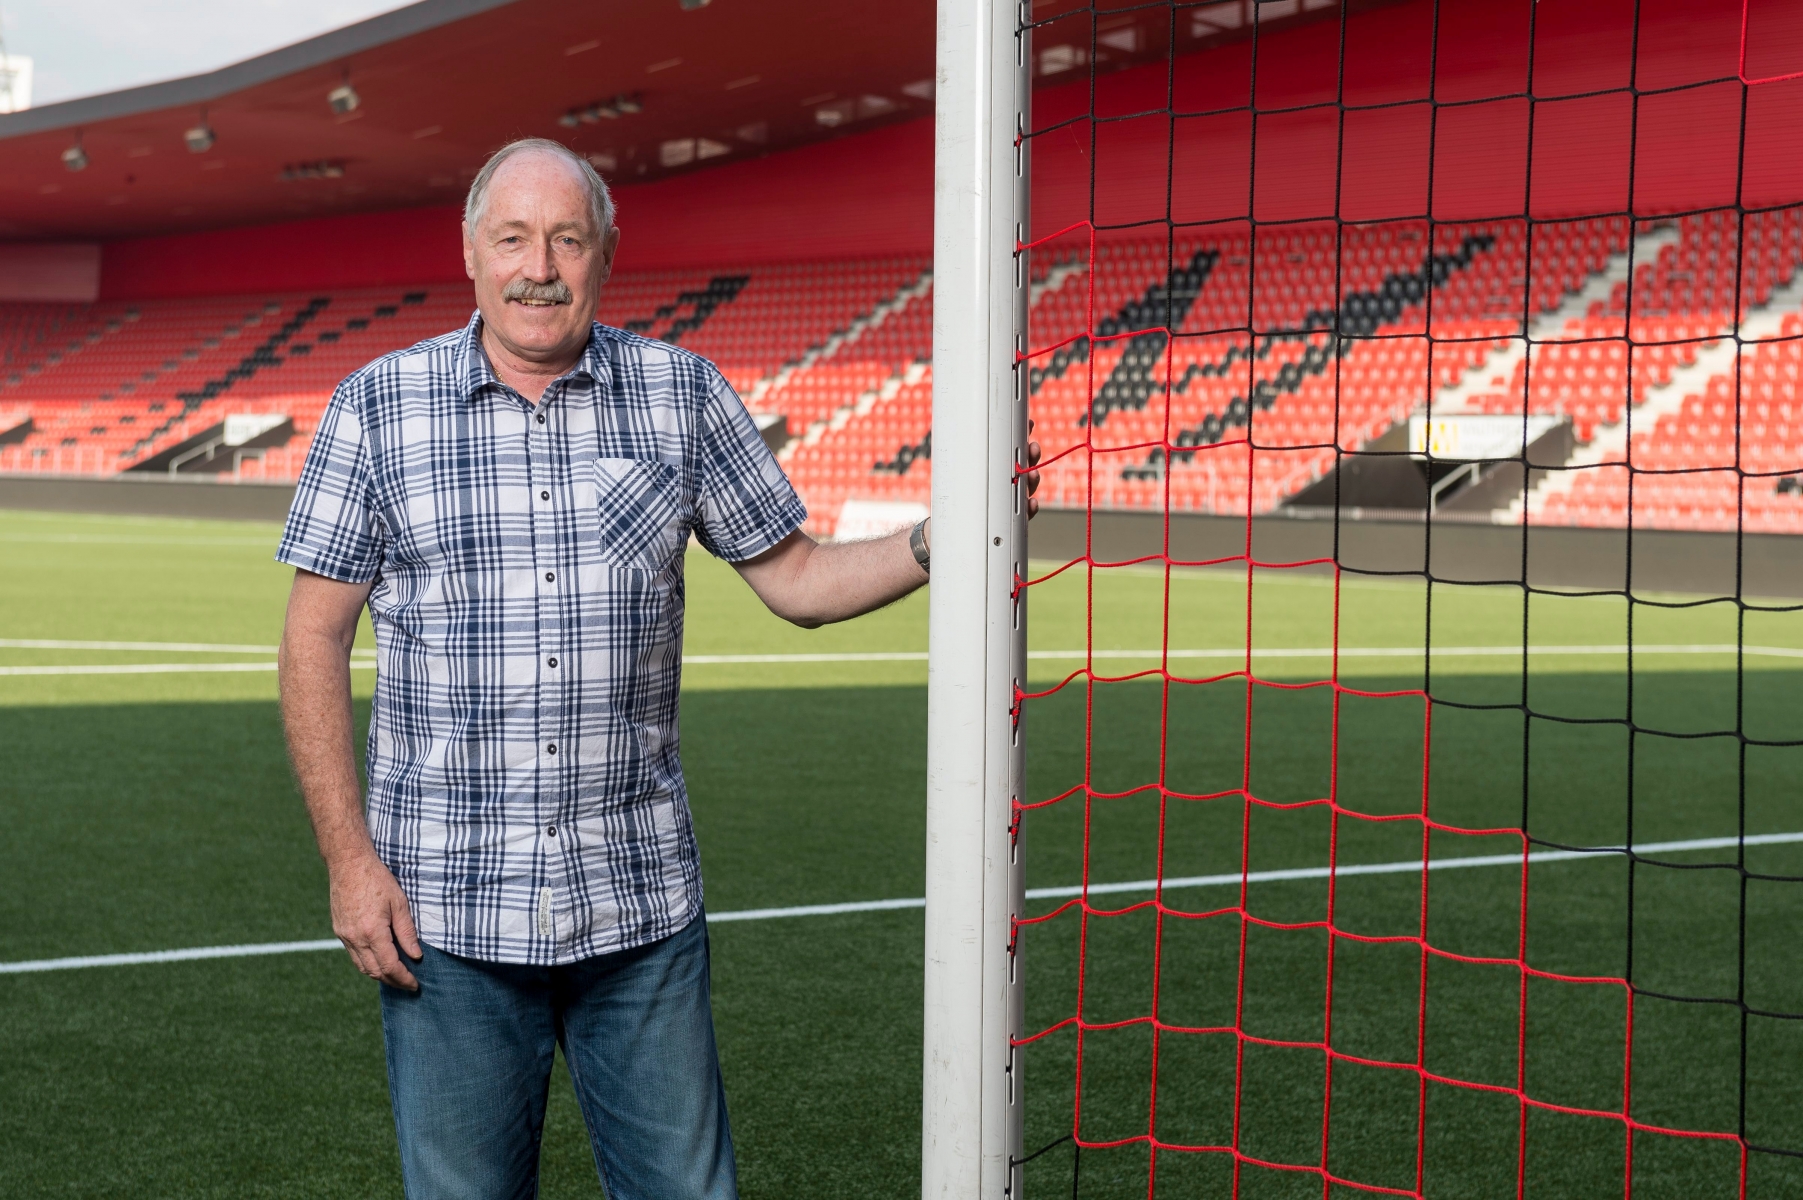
(972,1096)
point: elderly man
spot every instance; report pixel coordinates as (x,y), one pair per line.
(512,501)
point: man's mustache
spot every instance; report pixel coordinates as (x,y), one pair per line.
(556,292)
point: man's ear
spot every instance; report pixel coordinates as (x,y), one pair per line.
(469,252)
(610,244)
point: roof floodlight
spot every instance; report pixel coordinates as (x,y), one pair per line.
(75,158)
(344,97)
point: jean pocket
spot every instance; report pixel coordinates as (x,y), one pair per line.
(639,504)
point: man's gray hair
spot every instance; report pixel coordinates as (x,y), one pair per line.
(601,205)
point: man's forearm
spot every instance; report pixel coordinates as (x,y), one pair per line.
(316,712)
(370,914)
(813,584)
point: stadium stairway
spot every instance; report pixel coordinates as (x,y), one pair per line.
(784,314)
(1488,386)
(1581,368)
(1680,397)
(1684,446)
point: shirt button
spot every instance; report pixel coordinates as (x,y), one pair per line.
(551,748)
(550,576)
(552,660)
(544,495)
(541,418)
(550,831)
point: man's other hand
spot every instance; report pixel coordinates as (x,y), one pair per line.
(1033,473)
(370,916)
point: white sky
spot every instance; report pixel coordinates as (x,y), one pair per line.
(82,47)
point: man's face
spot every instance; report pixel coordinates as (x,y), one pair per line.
(536,258)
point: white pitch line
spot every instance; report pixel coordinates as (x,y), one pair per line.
(170,647)
(357,664)
(364,660)
(1050,893)
(885,656)
(1404,868)
(1268,652)
(166,956)
(1263,652)
(817,910)
(139,668)
(1415,651)
(105,540)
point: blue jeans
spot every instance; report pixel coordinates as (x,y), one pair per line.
(469,1066)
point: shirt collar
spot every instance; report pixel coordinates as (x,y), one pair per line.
(479,374)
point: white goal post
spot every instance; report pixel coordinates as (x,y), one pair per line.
(971,1097)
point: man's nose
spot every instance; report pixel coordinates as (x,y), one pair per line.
(540,266)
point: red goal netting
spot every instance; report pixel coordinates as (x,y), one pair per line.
(1410,819)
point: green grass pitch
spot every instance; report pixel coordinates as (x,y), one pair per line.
(155,811)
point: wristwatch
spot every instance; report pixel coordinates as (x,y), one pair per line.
(917,542)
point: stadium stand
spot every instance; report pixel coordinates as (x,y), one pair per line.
(1282,394)
(841,350)
(137,387)
(112,388)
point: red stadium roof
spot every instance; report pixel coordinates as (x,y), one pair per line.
(444,82)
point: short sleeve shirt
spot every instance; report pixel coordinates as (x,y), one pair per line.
(525,785)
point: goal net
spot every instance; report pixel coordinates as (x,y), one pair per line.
(1407,802)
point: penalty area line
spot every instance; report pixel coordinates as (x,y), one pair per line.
(911,902)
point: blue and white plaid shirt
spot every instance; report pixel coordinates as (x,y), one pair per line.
(524,783)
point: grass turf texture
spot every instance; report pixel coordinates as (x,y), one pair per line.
(155,811)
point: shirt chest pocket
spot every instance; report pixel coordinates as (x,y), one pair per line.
(642,517)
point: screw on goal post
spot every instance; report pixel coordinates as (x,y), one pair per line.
(971,1095)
